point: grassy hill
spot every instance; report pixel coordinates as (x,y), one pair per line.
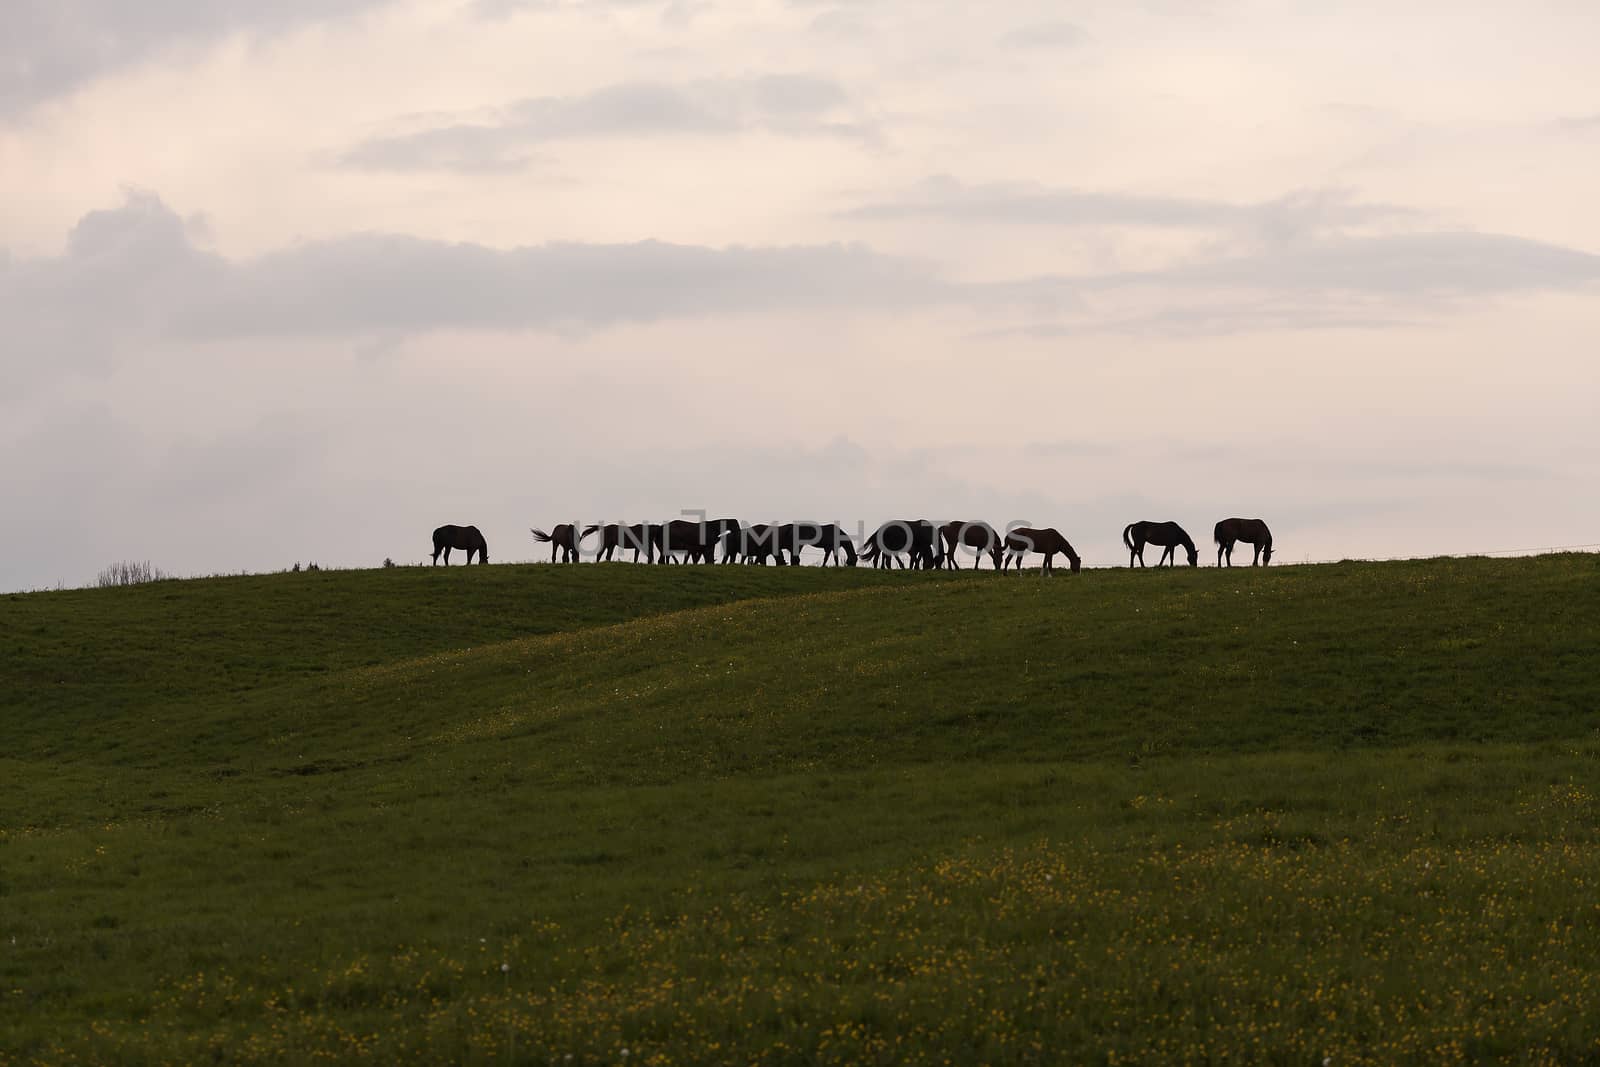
(736,814)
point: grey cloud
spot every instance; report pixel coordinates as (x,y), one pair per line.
(1414,264)
(501,9)
(1046,35)
(389,282)
(1370,283)
(52,47)
(791,104)
(1214,318)
(122,271)
(946,198)
(132,273)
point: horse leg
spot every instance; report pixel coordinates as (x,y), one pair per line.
(1256,559)
(1049,563)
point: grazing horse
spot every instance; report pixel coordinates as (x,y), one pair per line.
(447,537)
(918,538)
(614,536)
(794,536)
(1136,535)
(1253,532)
(1024,539)
(683,535)
(976,535)
(752,544)
(563,537)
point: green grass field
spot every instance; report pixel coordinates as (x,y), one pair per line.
(613,814)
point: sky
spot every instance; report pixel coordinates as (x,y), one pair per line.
(302,281)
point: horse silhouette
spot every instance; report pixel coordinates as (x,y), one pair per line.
(918,538)
(1252,532)
(1025,539)
(719,529)
(752,544)
(564,538)
(614,536)
(794,536)
(697,539)
(1136,535)
(975,535)
(465,537)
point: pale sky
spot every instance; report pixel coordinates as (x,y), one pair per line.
(302,285)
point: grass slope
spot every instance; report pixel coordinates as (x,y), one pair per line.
(736,814)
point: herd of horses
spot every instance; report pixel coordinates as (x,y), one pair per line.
(912,543)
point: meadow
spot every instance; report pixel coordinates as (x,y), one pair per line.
(1337,814)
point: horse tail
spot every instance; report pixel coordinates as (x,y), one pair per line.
(869,548)
(1126,539)
(540,536)
(587,530)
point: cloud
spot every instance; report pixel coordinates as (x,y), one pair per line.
(1049,35)
(1370,283)
(1021,204)
(1313,259)
(1443,264)
(49,48)
(133,273)
(1215,318)
(122,273)
(789,104)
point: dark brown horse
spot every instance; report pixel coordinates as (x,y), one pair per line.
(614,536)
(794,536)
(467,537)
(697,539)
(1169,535)
(918,538)
(975,535)
(719,529)
(1251,531)
(564,538)
(752,544)
(1025,539)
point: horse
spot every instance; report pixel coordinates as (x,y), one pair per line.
(1253,532)
(752,544)
(794,536)
(916,537)
(1024,539)
(447,537)
(614,535)
(976,535)
(1136,535)
(719,529)
(563,537)
(683,535)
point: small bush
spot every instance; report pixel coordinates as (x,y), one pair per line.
(387,562)
(129,572)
